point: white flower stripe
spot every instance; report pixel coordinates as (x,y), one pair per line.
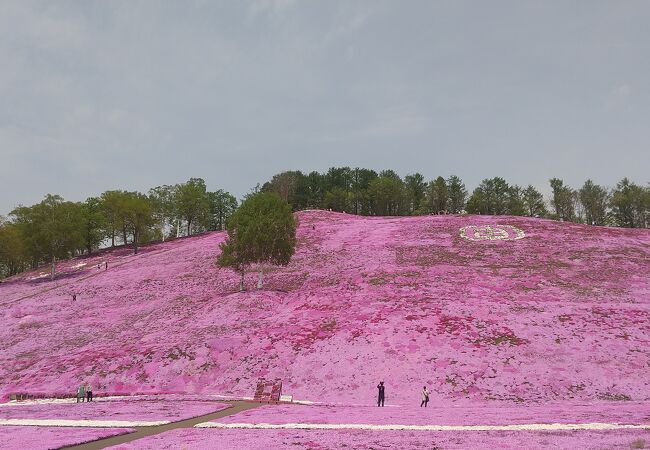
(363,426)
(81,423)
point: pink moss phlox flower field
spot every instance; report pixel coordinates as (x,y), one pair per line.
(149,410)
(559,315)
(45,438)
(238,439)
(629,413)
(73,270)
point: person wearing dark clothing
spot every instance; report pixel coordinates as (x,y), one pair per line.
(89,393)
(106,265)
(425,397)
(380,398)
(74,297)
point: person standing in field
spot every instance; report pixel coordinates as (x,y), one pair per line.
(425,397)
(380,398)
(81,393)
(89,392)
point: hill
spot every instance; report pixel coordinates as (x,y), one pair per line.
(477,307)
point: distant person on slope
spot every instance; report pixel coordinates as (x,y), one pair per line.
(106,265)
(380,399)
(89,393)
(425,397)
(81,393)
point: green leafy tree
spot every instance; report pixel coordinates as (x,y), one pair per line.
(94,223)
(338,199)
(359,198)
(340,177)
(12,251)
(191,203)
(516,205)
(594,200)
(534,202)
(498,195)
(263,232)
(111,204)
(476,203)
(222,206)
(415,188)
(315,187)
(563,200)
(234,256)
(52,229)
(138,218)
(630,205)
(387,195)
(492,197)
(390,173)
(438,195)
(457,194)
(290,186)
(161,199)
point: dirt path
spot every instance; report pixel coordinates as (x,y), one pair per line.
(236,406)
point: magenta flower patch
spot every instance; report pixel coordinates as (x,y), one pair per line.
(558,315)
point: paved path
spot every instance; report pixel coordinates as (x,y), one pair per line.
(236,406)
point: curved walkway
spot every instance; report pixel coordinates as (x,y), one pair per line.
(236,407)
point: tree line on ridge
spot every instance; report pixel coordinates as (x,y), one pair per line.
(55,229)
(366,192)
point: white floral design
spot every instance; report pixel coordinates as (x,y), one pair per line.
(491,233)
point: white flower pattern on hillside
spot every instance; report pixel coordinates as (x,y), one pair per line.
(491,233)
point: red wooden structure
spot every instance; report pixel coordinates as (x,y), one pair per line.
(268,390)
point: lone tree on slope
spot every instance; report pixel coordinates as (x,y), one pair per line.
(262,232)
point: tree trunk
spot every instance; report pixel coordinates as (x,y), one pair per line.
(241,282)
(189,227)
(178,227)
(124,235)
(113,238)
(260,277)
(53,268)
(135,242)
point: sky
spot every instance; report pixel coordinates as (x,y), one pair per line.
(98,95)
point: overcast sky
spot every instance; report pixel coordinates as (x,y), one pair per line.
(97,95)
